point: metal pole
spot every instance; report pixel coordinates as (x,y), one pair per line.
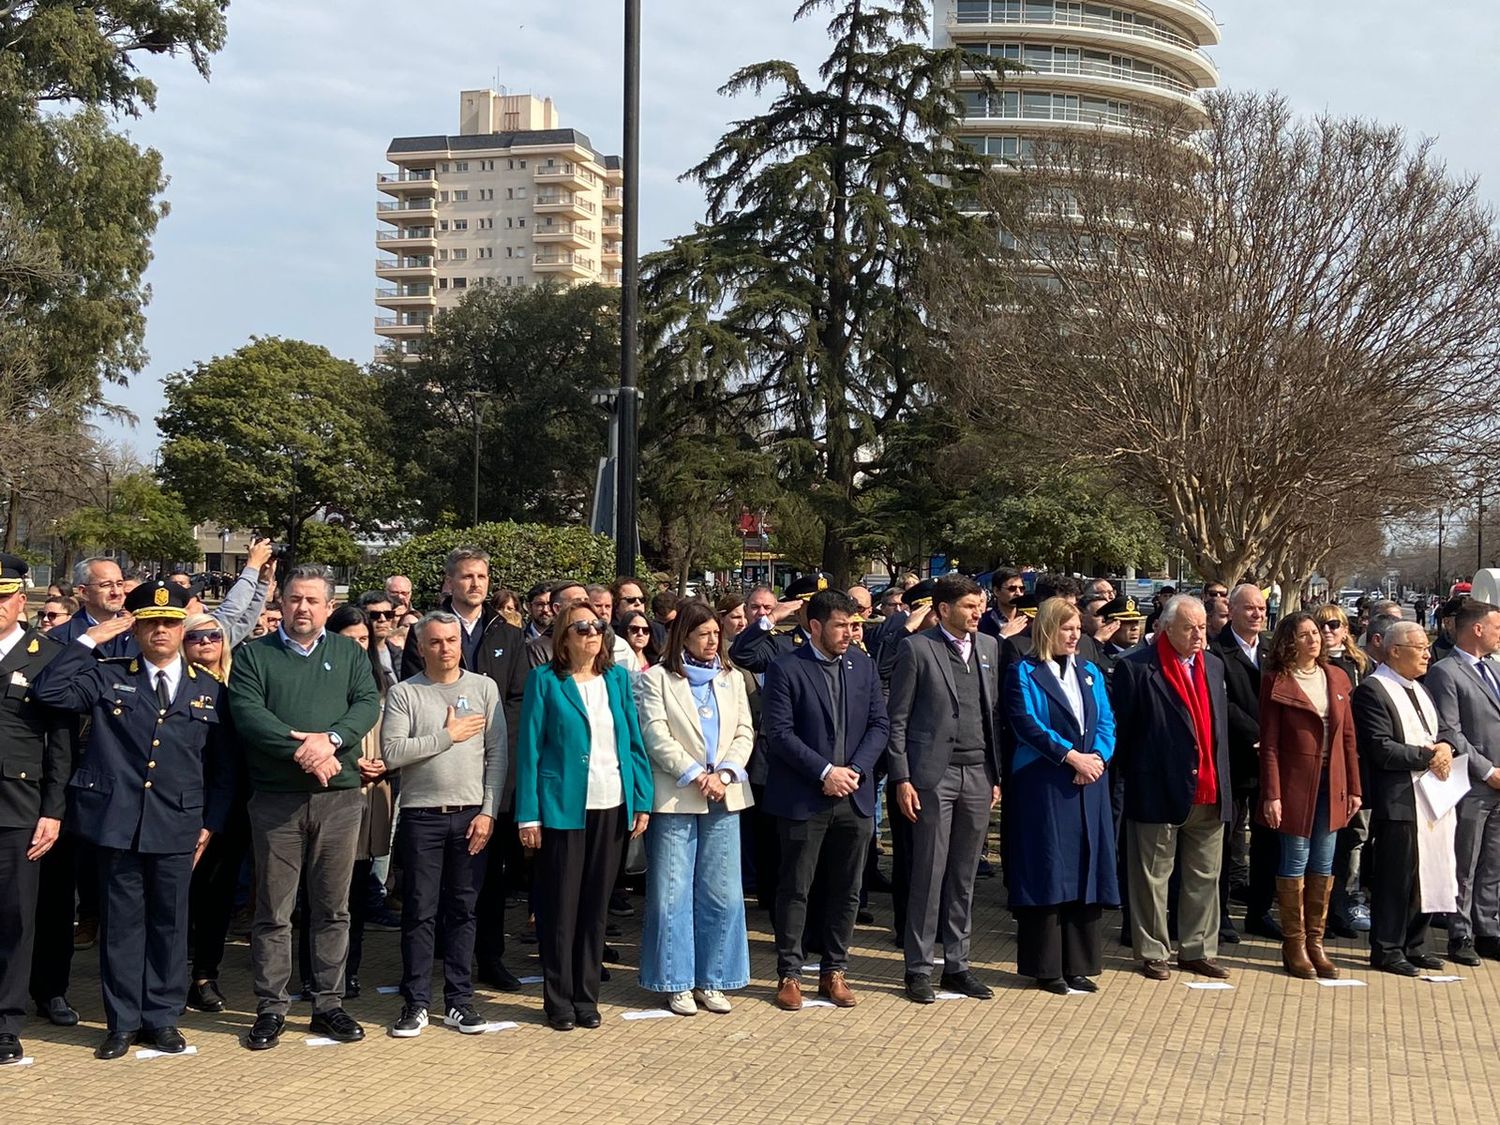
(476,462)
(1440,593)
(627,407)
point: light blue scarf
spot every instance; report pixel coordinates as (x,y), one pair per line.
(701,684)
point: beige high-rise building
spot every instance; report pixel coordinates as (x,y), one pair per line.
(513,199)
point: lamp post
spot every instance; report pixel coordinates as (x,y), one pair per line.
(478,399)
(627,415)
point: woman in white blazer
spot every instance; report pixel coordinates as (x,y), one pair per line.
(695,721)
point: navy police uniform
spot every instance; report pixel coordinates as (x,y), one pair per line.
(155,772)
(34,760)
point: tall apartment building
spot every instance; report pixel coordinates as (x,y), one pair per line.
(512,199)
(1088,64)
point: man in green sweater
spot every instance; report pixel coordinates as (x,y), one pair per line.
(302,700)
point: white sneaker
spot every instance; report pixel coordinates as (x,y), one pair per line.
(410,1023)
(712,999)
(681,1003)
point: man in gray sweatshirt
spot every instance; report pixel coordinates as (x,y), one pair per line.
(444,729)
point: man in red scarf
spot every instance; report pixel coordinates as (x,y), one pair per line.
(1171,716)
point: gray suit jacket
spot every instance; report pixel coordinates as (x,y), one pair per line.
(923,708)
(1468,718)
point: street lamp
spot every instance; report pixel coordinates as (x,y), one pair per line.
(478,399)
(627,406)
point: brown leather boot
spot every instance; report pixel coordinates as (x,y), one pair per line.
(1293,935)
(789,995)
(831,986)
(1315,896)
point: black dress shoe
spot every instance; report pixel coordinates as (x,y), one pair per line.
(561,1023)
(603,973)
(864,917)
(351,988)
(1427,961)
(10,1049)
(265,1033)
(1082,984)
(307,995)
(338,1025)
(1401,967)
(1228,935)
(919,988)
(1340,925)
(58,1011)
(611,954)
(167,1039)
(115,1044)
(1263,926)
(1463,953)
(498,976)
(968,985)
(1055,985)
(1488,948)
(205,997)
(589,1020)
(879,884)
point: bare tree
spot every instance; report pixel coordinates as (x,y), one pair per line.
(1274,328)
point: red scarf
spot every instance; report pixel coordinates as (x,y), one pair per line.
(1195,696)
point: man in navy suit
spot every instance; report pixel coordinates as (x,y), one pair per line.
(1171,722)
(826,727)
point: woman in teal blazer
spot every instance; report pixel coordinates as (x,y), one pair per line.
(583,782)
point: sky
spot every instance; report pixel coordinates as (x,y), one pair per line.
(273,160)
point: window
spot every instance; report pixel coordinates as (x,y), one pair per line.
(460,224)
(486,193)
(460,255)
(510,224)
(460,283)
(442,224)
(520,193)
(509,253)
(520,222)
(460,197)
(486,224)
(442,197)
(512,164)
(442,283)
(461,166)
(486,252)
(442,255)
(444,167)
(510,193)
(523,165)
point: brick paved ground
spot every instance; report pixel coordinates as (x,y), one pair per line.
(1273,1050)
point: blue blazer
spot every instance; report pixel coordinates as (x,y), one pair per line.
(147,782)
(552,750)
(797,713)
(1061,836)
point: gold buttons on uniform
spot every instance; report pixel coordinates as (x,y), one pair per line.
(156,742)
(117,710)
(23,775)
(150,765)
(148,785)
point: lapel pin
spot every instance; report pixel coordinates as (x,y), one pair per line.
(499,652)
(327,667)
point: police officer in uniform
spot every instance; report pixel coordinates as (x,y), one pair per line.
(154,780)
(34,760)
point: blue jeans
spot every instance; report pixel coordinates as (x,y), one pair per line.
(1303,854)
(693,934)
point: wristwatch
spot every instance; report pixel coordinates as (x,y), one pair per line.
(333,737)
(726,776)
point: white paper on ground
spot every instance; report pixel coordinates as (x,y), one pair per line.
(388,989)
(1210,985)
(1077,992)
(649,1014)
(150,1053)
(1442,980)
(27,1061)
(531,980)
(951,996)
(497,1025)
(321,1041)
(819,1003)
(1343,983)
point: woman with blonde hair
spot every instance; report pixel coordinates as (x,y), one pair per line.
(1060,828)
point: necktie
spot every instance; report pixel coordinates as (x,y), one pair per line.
(1487,674)
(163,692)
(1417,707)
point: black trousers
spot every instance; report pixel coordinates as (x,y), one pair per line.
(900,858)
(1058,941)
(505,873)
(143,923)
(827,848)
(56,907)
(19,880)
(1260,887)
(211,899)
(764,846)
(359,910)
(441,878)
(1398,928)
(575,872)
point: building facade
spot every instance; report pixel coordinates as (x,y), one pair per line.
(513,199)
(1087,65)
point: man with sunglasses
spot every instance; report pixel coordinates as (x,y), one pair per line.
(1004,618)
(382,615)
(54,612)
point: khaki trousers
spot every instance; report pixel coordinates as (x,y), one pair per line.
(1196,849)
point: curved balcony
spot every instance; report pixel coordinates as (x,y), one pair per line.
(1088,76)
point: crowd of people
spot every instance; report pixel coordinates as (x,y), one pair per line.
(164,761)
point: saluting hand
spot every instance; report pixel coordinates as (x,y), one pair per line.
(107,631)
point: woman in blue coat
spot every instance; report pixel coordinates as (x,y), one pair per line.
(1062,839)
(583,783)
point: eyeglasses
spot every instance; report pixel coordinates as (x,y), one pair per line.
(587,628)
(56,615)
(1418,647)
(206,638)
(104,585)
(638,630)
(381,614)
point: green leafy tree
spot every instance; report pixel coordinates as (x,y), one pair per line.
(330,544)
(798,289)
(141,519)
(276,435)
(524,360)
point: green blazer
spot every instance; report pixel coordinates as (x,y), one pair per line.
(552,750)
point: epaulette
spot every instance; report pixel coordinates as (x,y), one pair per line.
(191,674)
(207,671)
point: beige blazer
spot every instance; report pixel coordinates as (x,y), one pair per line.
(674,739)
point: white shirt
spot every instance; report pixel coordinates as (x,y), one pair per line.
(172,671)
(965,644)
(606,791)
(1251,649)
(296,646)
(1068,681)
(1469,656)
(8,641)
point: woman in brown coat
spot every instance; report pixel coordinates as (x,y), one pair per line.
(1309,783)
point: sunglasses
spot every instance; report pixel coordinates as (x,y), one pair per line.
(639,630)
(587,628)
(206,638)
(633,601)
(381,614)
(58,616)
(1334,625)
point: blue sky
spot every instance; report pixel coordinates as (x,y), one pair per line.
(273,161)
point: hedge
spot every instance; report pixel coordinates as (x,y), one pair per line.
(521,555)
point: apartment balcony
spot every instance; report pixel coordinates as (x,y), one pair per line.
(406,296)
(565,265)
(614,199)
(613,277)
(1153,44)
(407,210)
(1089,76)
(614,254)
(405,268)
(408,180)
(564,205)
(402,325)
(399,351)
(407,240)
(565,174)
(563,234)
